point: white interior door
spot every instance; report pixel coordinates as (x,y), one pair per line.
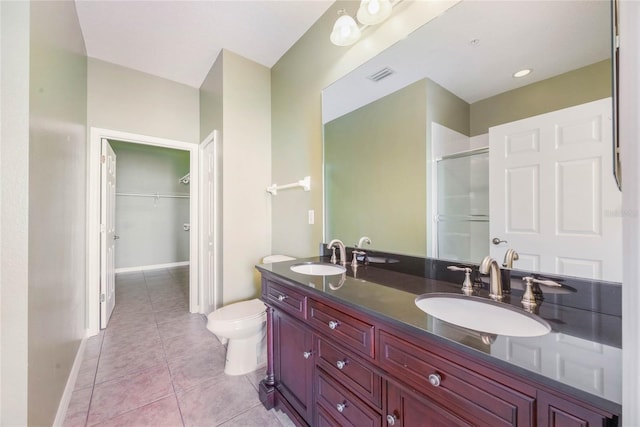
(211,178)
(107,232)
(553,197)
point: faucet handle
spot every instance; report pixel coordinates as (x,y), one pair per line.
(456,268)
(545,282)
(529,298)
(355,253)
(467,286)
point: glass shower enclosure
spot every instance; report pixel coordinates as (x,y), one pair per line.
(462,198)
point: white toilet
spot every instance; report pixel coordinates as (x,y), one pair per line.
(241,326)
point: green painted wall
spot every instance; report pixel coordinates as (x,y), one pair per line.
(210,94)
(128,100)
(573,88)
(57,203)
(375,166)
(150,230)
(236,98)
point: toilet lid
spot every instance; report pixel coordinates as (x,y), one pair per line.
(239,310)
(270,259)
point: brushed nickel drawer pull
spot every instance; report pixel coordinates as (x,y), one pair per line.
(434,380)
(282,297)
(341,406)
(307,354)
(333,324)
(391,419)
(341,364)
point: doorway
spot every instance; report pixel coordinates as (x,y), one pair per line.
(94,232)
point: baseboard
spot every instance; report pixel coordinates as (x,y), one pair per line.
(71,383)
(151,267)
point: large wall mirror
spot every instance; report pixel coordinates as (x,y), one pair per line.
(434,148)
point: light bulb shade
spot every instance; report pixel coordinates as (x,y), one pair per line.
(372,12)
(345,31)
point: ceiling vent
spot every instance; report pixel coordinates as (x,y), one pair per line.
(379,75)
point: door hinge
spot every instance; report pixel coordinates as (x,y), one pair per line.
(103,159)
(102,297)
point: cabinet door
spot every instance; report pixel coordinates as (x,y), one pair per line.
(556,412)
(293,363)
(405,409)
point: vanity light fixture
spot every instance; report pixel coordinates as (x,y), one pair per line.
(345,30)
(522,73)
(372,12)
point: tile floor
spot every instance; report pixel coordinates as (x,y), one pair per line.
(157,365)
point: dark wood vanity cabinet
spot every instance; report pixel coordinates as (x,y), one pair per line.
(333,365)
(294,362)
(409,409)
(554,411)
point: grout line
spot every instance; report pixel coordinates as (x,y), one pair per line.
(166,359)
(95,376)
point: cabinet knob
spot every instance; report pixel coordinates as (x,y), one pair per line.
(333,324)
(391,419)
(434,380)
(307,354)
(341,407)
(341,364)
(282,297)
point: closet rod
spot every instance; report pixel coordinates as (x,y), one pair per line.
(156,195)
(467,153)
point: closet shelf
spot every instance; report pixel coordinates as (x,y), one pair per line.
(155,195)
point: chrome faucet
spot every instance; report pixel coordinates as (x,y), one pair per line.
(362,241)
(490,266)
(509,257)
(343,252)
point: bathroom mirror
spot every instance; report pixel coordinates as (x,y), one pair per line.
(406,135)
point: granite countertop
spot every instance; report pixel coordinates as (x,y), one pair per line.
(582,355)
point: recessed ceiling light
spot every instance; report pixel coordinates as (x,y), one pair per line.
(522,73)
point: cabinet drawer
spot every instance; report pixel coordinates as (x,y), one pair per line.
(342,406)
(352,333)
(476,398)
(286,299)
(349,370)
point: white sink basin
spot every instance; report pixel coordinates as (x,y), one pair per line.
(318,269)
(482,315)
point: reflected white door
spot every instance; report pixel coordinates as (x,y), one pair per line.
(107,232)
(553,197)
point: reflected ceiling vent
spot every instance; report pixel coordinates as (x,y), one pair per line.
(379,75)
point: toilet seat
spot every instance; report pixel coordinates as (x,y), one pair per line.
(239,311)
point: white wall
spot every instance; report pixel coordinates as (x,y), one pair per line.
(151,231)
(14,174)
